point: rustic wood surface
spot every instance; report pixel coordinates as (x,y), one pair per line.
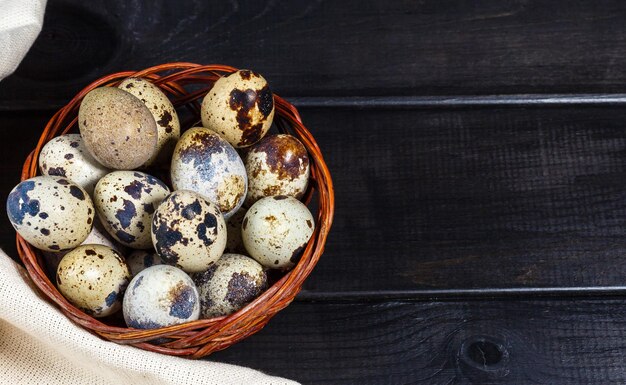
(478,152)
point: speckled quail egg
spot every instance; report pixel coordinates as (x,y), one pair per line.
(276,230)
(239,107)
(139,260)
(93,278)
(67,156)
(159,296)
(97,236)
(125,201)
(164,114)
(234,243)
(188,231)
(117,128)
(229,284)
(277,165)
(207,164)
(50,212)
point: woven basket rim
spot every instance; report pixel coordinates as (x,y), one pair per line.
(197,338)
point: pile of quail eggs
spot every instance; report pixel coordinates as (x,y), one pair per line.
(195,241)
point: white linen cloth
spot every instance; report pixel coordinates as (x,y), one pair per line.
(20,23)
(39,345)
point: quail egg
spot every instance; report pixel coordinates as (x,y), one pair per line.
(51,212)
(229,284)
(139,260)
(67,156)
(188,231)
(164,114)
(239,107)
(275,231)
(93,278)
(117,128)
(277,165)
(207,164)
(125,201)
(97,236)
(160,296)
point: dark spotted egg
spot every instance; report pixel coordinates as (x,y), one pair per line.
(276,230)
(51,212)
(168,125)
(139,260)
(188,231)
(93,278)
(277,165)
(67,156)
(125,201)
(239,107)
(207,164)
(229,284)
(160,296)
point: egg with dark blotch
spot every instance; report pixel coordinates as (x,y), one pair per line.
(97,236)
(125,201)
(164,113)
(67,156)
(188,231)
(239,107)
(276,230)
(139,260)
(229,284)
(234,243)
(160,296)
(277,165)
(117,128)
(50,212)
(207,164)
(93,278)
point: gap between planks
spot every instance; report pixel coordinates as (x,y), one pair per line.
(406,102)
(464,294)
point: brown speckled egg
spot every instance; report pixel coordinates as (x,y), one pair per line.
(234,243)
(229,284)
(140,260)
(117,128)
(207,164)
(188,231)
(163,112)
(51,212)
(93,278)
(67,156)
(276,230)
(239,107)
(97,236)
(125,201)
(277,165)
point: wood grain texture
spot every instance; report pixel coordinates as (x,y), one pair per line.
(328,48)
(434,202)
(473,198)
(489,342)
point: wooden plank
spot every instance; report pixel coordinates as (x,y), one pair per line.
(328,48)
(488,342)
(491,201)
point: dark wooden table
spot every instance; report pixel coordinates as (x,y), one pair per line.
(478,150)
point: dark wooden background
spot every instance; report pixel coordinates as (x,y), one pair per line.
(479,155)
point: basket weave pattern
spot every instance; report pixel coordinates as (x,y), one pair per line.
(198,338)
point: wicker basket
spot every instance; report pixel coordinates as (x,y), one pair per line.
(186,84)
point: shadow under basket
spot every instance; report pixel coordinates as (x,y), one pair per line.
(186,84)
